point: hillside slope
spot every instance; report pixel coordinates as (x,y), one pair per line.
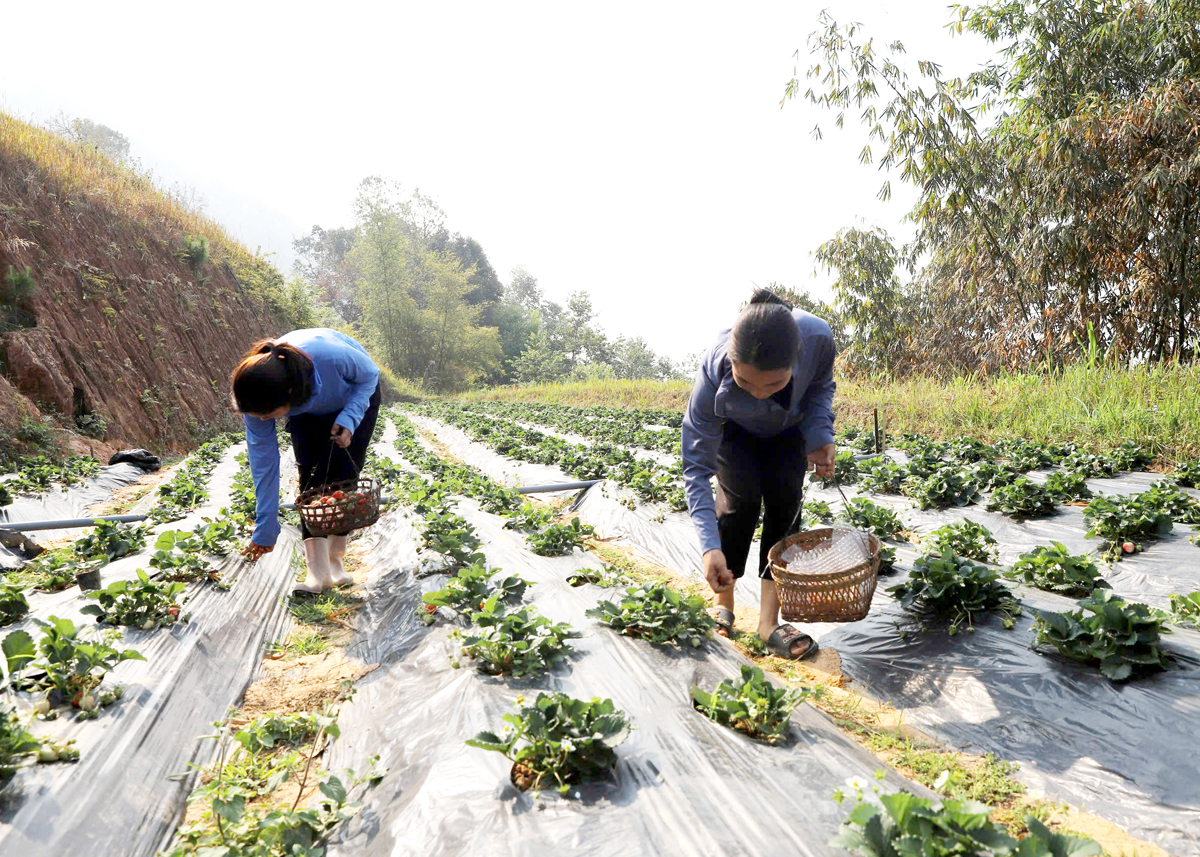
(121,324)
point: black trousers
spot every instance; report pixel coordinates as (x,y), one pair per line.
(756,474)
(319,459)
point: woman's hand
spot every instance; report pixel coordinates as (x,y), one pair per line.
(823,460)
(341,436)
(719,577)
(254,552)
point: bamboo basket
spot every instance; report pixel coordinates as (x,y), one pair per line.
(837,596)
(347,514)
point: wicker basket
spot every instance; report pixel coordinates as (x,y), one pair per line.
(345,515)
(841,596)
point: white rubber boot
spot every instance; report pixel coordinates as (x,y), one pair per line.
(316,555)
(337,571)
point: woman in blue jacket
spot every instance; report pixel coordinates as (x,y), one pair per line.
(760,417)
(327,387)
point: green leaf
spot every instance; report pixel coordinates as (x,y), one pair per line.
(230,809)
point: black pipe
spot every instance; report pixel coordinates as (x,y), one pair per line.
(564,486)
(68,523)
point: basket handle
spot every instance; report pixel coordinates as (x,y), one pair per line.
(791,530)
(328,461)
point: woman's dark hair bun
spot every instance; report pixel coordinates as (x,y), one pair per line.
(271,374)
(766,296)
(765,335)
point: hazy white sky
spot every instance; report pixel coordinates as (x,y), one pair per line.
(634,150)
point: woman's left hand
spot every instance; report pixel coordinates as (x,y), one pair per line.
(823,460)
(342,436)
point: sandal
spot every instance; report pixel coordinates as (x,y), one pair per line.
(723,616)
(782,639)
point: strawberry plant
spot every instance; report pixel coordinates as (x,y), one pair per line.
(1066,486)
(1021,499)
(272,730)
(881,476)
(13,604)
(467,591)
(240,824)
(1131,456)
(141,603)
(1053,568)
(558,539)
(73,667)
(1180,505)
(558,741)
(607,576)
(517,643)
(1088,464)
(1123,639)
(957,589)
(111,541)
(658,614)
(816,512)
(1185,610)
(1125,519)
(904,824)
(967,450)
(941,489)
(864,514)
(38,473)
(177,557)
(1023,455)
(751,704)
(964,538)
(529,518)
(989,476)
(17,745)
(451,536)
(216,537)
(1186,473)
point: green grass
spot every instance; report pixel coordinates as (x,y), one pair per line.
(1098,408)
(303,642)
(664,395)
(331,607)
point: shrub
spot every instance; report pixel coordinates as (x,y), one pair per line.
(1123,639)
(1066,486)
(1125,519)
(881,476)
(658,614)
(751,704)
(964,538)
(1021,499)
(1054,569)
(945,487)
(956,588)
(904,824)
(519,643)
(194,252)
(559,739)
(864,514)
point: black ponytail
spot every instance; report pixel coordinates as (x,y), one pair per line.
(765,335)
(271,375)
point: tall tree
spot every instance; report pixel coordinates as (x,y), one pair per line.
(523,290)
(322,258)
(100,137)
(1056,188)
(869,297)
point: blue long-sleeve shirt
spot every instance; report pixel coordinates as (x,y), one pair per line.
(344,379)
(717,398)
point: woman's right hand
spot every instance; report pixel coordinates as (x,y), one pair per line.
(253,552)
(719,577)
